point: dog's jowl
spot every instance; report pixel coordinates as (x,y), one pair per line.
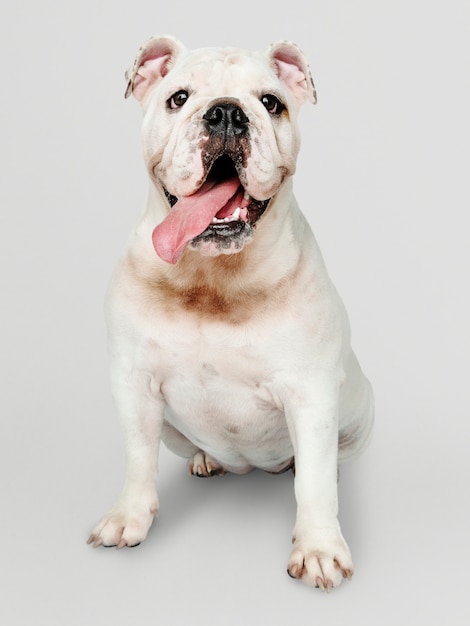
(228,341)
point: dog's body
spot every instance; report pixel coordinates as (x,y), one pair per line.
(232,347)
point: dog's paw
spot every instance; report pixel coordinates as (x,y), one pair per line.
(124,526)
(203,465)
(321,560)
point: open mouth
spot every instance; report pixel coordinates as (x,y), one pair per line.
(240,210)
(220,211)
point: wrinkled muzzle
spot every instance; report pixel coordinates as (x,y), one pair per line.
(220,212)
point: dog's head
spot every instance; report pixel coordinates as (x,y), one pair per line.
(219,135)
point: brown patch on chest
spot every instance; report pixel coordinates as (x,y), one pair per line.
(201,299)
(216,291)
(211,288)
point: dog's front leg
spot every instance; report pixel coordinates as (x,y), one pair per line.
(320,556)
(141,412)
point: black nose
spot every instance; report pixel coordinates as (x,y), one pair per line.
(226,119)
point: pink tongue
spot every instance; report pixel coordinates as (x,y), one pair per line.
(191,215)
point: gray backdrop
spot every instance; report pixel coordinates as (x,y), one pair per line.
(382,177)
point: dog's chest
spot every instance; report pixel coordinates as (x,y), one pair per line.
(218,392)
(214,376)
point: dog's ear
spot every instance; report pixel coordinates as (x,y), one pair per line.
(291,67)
(152,63)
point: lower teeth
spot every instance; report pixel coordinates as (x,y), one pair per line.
(230,218)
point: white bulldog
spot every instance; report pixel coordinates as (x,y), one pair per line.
(228,341)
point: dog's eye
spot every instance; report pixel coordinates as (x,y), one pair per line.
(272,104)
(178,99)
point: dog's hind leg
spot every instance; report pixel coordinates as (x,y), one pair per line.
(356,410)
(177,442)
(200,463)
(203,465)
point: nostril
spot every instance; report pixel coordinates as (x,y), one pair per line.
(238,117)
(227,119)
(214,116)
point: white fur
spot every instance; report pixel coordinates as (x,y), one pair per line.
(273,378)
